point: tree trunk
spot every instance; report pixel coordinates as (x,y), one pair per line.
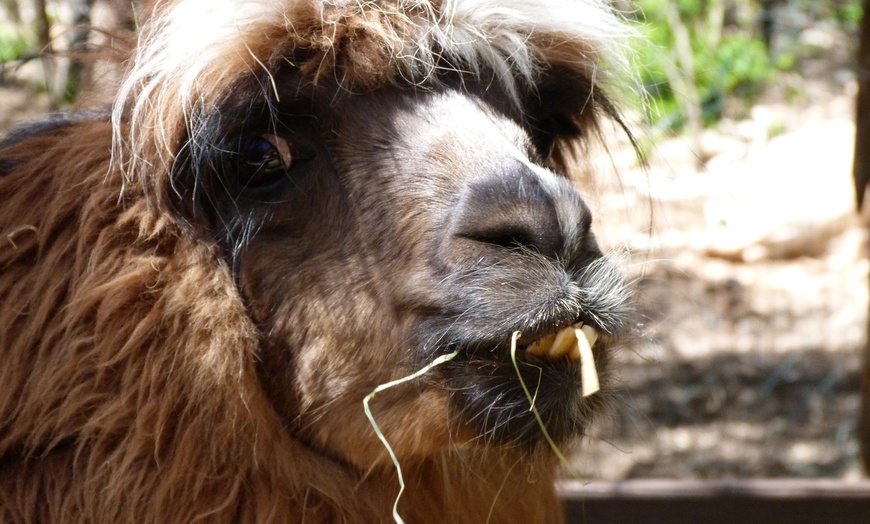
(683,80)
(13,10)
(862,178)
(42,28)
(70,68)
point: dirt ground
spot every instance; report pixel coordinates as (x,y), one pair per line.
(752,273)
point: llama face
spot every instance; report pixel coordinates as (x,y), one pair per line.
(373,232)
(295,202)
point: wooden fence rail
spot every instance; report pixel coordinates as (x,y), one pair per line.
(717,502)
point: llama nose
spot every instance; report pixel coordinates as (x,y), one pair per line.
(522,208)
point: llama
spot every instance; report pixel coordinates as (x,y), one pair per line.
(289,204)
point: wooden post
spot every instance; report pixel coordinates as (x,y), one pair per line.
(862,179)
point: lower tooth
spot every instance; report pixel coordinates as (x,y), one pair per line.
(565,340)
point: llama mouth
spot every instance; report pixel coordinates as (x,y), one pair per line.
(574,343)
(557,367)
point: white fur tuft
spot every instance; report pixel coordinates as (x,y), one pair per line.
(192,51)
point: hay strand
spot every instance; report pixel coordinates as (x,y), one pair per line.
(438,361)
(534,410)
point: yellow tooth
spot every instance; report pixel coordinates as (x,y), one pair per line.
(586,337)
(574,353)
(565,339)
(591,334)
(541,347)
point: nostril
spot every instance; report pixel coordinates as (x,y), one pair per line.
(511,211)
(508,237)
(545,240)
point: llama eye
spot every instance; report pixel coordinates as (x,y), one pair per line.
(263,161)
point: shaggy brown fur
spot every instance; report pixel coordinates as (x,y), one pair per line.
(187,338)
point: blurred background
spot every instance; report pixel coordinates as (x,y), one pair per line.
(741,232)
(746,245)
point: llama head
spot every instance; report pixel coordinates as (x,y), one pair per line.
(390,182)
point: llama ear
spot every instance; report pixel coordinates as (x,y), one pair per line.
(561,110)
(565,112)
